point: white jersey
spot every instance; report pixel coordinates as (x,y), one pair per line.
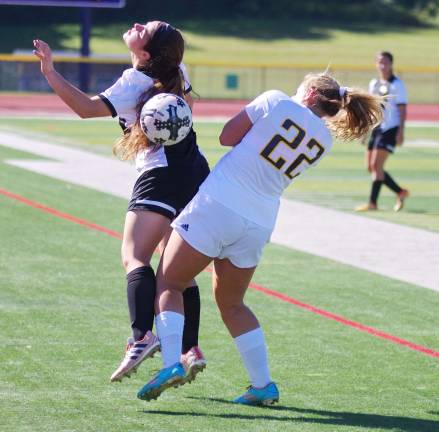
(394,89)
(122,97)
(285,139)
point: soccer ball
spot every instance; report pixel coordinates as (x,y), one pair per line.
(166,119)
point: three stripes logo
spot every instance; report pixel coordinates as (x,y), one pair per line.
(185,226)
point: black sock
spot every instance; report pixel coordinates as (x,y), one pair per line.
(141,296)
(375,191)
(191,299)
(391,184)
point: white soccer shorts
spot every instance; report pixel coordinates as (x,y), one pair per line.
(218,232)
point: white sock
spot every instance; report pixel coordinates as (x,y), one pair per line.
(169,327)
(253,351)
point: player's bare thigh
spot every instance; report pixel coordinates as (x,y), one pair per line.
(378,159)
(143,232)
(181,262)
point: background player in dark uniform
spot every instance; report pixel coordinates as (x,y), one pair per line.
(168,178)
(388,134)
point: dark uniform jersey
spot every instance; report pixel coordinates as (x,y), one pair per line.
(169,176)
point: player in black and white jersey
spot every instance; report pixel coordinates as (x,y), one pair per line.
(231,218)
(168,177)
(388,134)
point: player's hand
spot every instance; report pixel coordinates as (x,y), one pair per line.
(400,137)
(44,53)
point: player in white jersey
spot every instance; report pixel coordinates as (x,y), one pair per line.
(388,134)
(168,177)
(231,218)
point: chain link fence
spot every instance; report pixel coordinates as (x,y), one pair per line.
(211,80)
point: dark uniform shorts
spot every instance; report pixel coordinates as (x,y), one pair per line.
(167,190)
(383,140)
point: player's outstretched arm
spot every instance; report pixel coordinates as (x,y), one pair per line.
(82,104)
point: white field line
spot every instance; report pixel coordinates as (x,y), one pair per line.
(396,251)
(32,114)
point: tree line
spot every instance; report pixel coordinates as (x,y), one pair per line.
(351,11)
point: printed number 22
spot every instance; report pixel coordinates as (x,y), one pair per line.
(277,139)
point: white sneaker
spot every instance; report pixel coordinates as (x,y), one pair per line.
(135,353)
(193,362)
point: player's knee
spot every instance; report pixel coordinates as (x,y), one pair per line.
(230,311)
(130,262)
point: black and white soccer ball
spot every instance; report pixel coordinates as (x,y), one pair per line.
(166,119)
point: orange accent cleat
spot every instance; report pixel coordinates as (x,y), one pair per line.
(400,198)
(366,207)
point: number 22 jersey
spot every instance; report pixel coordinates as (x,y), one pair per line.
(285,139)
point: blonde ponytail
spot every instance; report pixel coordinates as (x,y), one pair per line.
(359,113)
(349,113)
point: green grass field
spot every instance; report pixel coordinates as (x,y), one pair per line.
(64,318)
(339,182)
(249,41)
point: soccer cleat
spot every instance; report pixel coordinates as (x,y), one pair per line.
(365,207)
(136,352)
(267,395)
(400,198)
(172,376)
(193,362)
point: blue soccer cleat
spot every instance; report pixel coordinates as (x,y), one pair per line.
(267,395)
(172,376)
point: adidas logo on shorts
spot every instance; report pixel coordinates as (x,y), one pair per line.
(185,227)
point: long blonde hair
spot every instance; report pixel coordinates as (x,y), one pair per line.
(166,47)
(350,113)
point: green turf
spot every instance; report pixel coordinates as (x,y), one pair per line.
(64,320)
(340,181)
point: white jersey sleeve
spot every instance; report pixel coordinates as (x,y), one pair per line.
(400,92)
(122,97)
(263,104)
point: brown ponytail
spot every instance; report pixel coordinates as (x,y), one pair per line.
(350,112)
(131,143)
(166,47)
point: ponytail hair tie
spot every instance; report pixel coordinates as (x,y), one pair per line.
(342,91)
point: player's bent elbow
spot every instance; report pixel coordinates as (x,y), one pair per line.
(86,113)
(83,115)
(225,140)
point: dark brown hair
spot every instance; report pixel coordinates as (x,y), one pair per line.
(166,48)
(386,54)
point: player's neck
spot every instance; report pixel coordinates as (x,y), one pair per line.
(318,112)
(386,77)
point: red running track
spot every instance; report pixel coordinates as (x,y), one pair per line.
(329,315)
(51,104)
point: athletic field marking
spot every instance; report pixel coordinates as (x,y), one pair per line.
(59,214)
(339,236)
(260,288)
(198,118)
